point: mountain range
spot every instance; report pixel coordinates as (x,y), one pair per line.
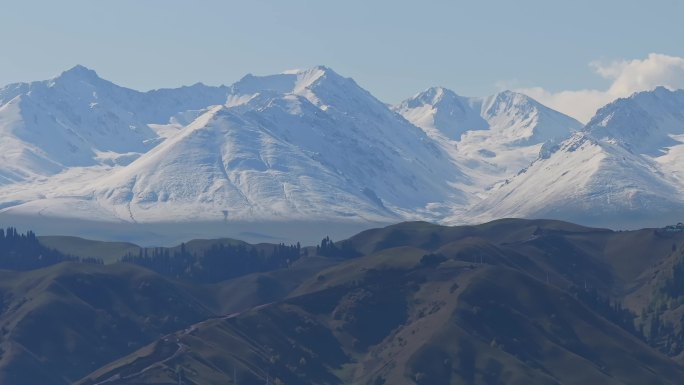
(312,145)
(622,169)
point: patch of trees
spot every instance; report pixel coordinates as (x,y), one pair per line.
(23,251)
(343,249)
(663,335)
(432,259)
(611,310)
(216,263)
(666,336)
(674,286)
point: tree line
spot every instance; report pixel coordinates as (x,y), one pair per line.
(217,263)
(23,251)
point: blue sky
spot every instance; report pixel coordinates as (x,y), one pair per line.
(392,48)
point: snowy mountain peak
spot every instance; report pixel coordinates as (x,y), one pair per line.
(308,78)
(78,73)
(506,101)
(283,83)
(441,112)
(515,116)
(518,107)
(432,96)
(78,119)
(525,119)
(645,122)
(320,85)
(490,138)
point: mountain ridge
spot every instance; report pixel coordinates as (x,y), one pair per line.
(621,168)
(314,145)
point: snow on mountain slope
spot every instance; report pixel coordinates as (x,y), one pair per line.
(585,180)
(78,120)
(442,113)
(644,122)
(624,167)
(222,162)
(364,141)
(522,120)
(489,138)
(310,144)
(19,160)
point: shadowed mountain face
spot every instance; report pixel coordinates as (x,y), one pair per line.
(507,302)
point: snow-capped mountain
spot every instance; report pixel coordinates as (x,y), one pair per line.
(443,114)
(624,167)
(312,145)
(489,138)
(645,123)
(78,120)
(306,144)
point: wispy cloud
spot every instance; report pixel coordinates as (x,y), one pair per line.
(626,76)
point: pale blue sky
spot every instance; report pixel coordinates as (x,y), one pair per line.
(392,48)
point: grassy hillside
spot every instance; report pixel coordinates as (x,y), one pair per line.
(60,323)
(508,302)
(109,252)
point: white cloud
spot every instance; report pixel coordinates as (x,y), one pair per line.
(581,104)
(626,76)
